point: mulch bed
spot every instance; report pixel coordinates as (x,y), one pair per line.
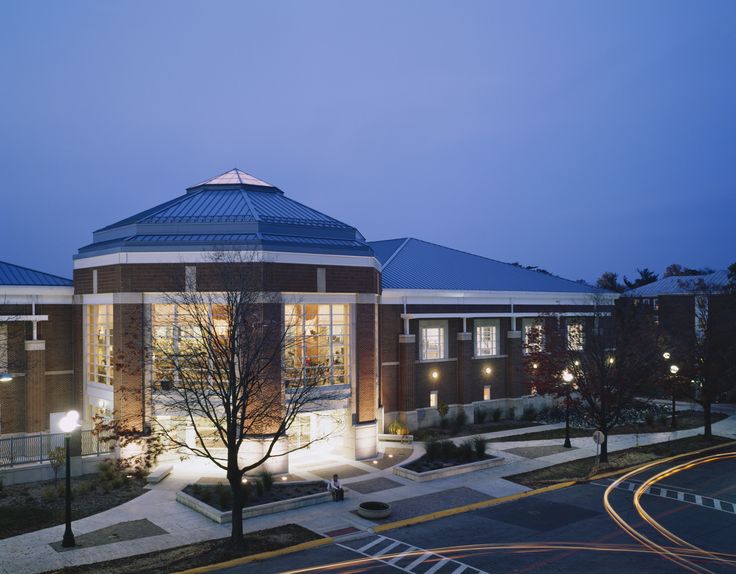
(423,464)
(429,433)
(219,496)
(36,505)
(201,553)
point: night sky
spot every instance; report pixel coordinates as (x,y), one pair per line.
(577,136)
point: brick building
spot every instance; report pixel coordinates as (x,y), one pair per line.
(410,324)
(35,349)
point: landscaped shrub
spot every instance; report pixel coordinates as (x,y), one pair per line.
(479,445)
(529,414)
(480,416)
(224,496)
(512,413)
(496,415)
(442,409)
(543,414)
(266,479)
(48,494)
(397,428)
(447,449)
(466,451)
(461,419)
(434,449)
(649,418)
(84,487)
(663,418)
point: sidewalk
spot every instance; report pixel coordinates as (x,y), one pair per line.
(31,553)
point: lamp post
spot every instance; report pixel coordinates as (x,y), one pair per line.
(674,370)
(67,424)
(567,378)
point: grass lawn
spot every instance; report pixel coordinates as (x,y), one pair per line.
(429,433)
(583,468)
(685,420)
(201,553)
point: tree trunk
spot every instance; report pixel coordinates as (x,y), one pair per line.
(236,530)
(707,420)
(604,449)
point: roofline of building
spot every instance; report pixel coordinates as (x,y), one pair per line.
(460,297)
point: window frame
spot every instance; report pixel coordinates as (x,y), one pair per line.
(441,324)
(526,324)
(575,322)
(485,323)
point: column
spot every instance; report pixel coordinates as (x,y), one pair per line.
(35,386)
(514,365)
(464,368)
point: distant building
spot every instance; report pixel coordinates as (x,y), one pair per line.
(412,324)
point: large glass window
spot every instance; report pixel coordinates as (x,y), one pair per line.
(318,342)
(100,367)
(575,335)
(533,335)
(432,340)
(486,337)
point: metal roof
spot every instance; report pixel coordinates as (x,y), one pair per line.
(410,263)
(16,275)
(680,285)
(234,209)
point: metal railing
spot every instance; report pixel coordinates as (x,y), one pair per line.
(36,448)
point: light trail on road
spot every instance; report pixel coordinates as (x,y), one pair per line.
(673,554)
(458,552)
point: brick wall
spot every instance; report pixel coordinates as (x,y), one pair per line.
(365,326)
(128,377)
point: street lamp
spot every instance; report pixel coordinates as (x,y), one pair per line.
(674,369)
(68,424)
(567,379)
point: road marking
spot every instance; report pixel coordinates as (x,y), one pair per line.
(380,549)
(670,494)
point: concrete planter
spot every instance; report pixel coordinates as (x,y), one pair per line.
(224,517)
(448,471)
(374,510)
(407,438)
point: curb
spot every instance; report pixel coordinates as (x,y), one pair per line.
(469,507)
(260,556)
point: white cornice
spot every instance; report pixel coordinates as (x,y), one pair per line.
(445,297)
(39,294)
(151,257)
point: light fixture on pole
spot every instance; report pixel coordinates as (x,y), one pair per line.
(674,369)
(68,424)
(567,378)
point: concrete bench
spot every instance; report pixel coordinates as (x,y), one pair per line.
(161,472)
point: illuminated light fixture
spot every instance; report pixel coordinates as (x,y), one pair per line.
(488,370)
(101,403)
(611,360)
(69,422)
(375,462)
(5,377)
(567,376)
(435,375)
(283,478)
(576,363)
(674,369)
(535,366)
(245,481)
(390,456)
(666,355)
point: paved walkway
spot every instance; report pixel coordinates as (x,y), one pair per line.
(33,553)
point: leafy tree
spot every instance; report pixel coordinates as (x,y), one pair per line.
(677,270)
(57,457)
(646,276)
(608,372)
(706,355)
(609,281)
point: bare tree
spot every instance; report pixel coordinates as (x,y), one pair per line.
(598,373)
(220,370)
(706,354)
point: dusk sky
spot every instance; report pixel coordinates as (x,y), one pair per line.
(577,136)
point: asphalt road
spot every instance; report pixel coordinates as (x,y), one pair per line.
(568,530)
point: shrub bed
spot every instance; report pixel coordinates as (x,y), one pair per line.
(445,453)
(219,496)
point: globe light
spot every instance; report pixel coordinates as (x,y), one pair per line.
(435,375)
(666,355)
(69,422)
(674,369)
(488,370)
(567,376)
